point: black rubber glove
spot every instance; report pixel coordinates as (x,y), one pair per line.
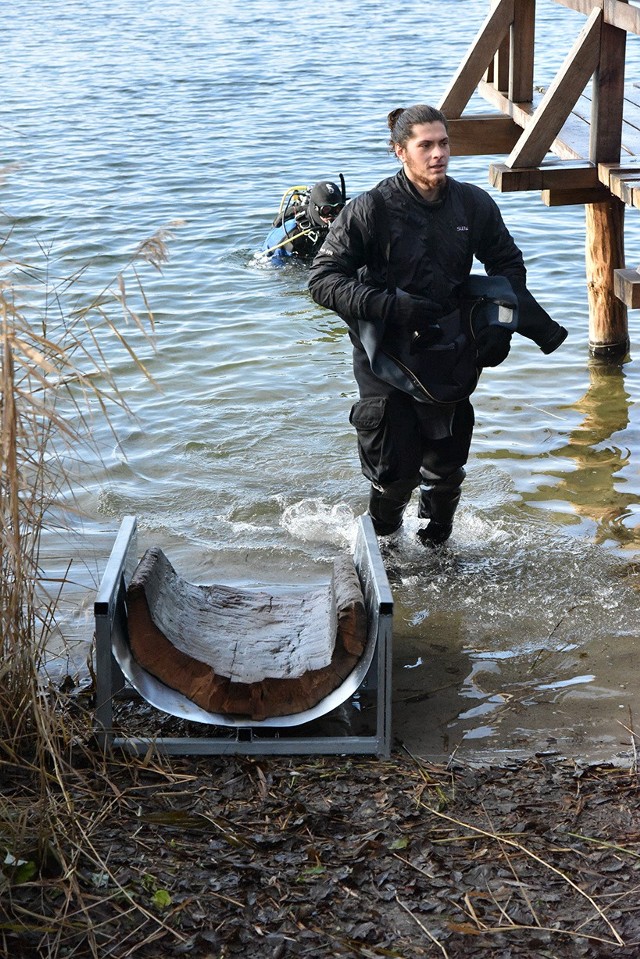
(552,338)
(534,322)
(493,344)
(414,319)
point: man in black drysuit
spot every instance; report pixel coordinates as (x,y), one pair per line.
(394,267)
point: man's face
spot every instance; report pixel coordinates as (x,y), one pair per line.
(425,157)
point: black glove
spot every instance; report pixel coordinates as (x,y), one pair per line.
(414,319)
(551,339)
(534,322)
(493,344)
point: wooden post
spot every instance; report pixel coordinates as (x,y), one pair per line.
(608,329)
(608,326)
(522,39)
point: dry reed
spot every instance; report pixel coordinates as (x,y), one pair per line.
(55,374)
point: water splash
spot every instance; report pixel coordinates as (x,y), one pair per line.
(313,520)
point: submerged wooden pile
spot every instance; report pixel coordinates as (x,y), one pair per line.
(246,652)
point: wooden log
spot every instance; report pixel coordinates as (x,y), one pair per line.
(252,653)
(608,329)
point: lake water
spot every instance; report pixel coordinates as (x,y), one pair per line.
(118,119)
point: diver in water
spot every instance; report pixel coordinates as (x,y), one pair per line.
(304,219)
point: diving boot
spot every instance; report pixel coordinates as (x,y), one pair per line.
(438,502)
(435,534)
(386,511)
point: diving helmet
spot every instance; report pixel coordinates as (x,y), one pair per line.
(325,202)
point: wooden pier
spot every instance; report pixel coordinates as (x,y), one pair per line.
(577,141)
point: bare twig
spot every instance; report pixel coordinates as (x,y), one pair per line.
(423,927)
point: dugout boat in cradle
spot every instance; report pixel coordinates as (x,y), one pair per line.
(258,664)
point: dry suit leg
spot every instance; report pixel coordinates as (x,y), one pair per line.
(387,506)
(390,455)
(440,495)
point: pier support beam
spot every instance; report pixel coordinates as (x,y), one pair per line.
(608,327)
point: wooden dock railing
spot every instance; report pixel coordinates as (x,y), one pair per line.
(586,119)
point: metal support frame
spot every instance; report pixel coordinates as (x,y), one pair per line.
(115,667)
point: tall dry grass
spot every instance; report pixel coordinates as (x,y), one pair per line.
(55,377)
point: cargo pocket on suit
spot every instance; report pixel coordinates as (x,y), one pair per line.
(368,416)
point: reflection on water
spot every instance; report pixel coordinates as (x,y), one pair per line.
(517,636)
(596,487)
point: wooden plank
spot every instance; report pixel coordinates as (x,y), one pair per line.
(608,96)
(575,197)
(631,122)
(618,13)
(502,65)
(623,181)
(491,134)
(581,6)
(626,285)
(560,97)
(626,188)
(630,144)
(477,59)
(607,171)
(521,56)
(621,14)
(550,175)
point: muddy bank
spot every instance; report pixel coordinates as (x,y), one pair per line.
(341,857)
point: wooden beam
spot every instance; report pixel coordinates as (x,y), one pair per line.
(550,175)
(572,143)
(561,96)
(621,14)
(627,189)
(581,6)
(622,180)
(575,197)
(608,97)
(607,171)
(616,12)
(477,59)
(522,38)
(626,285)
(483,134)
(500,69)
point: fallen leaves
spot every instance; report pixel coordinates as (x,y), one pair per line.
(329,857)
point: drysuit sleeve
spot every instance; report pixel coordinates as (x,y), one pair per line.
(495,248)
(334,280)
